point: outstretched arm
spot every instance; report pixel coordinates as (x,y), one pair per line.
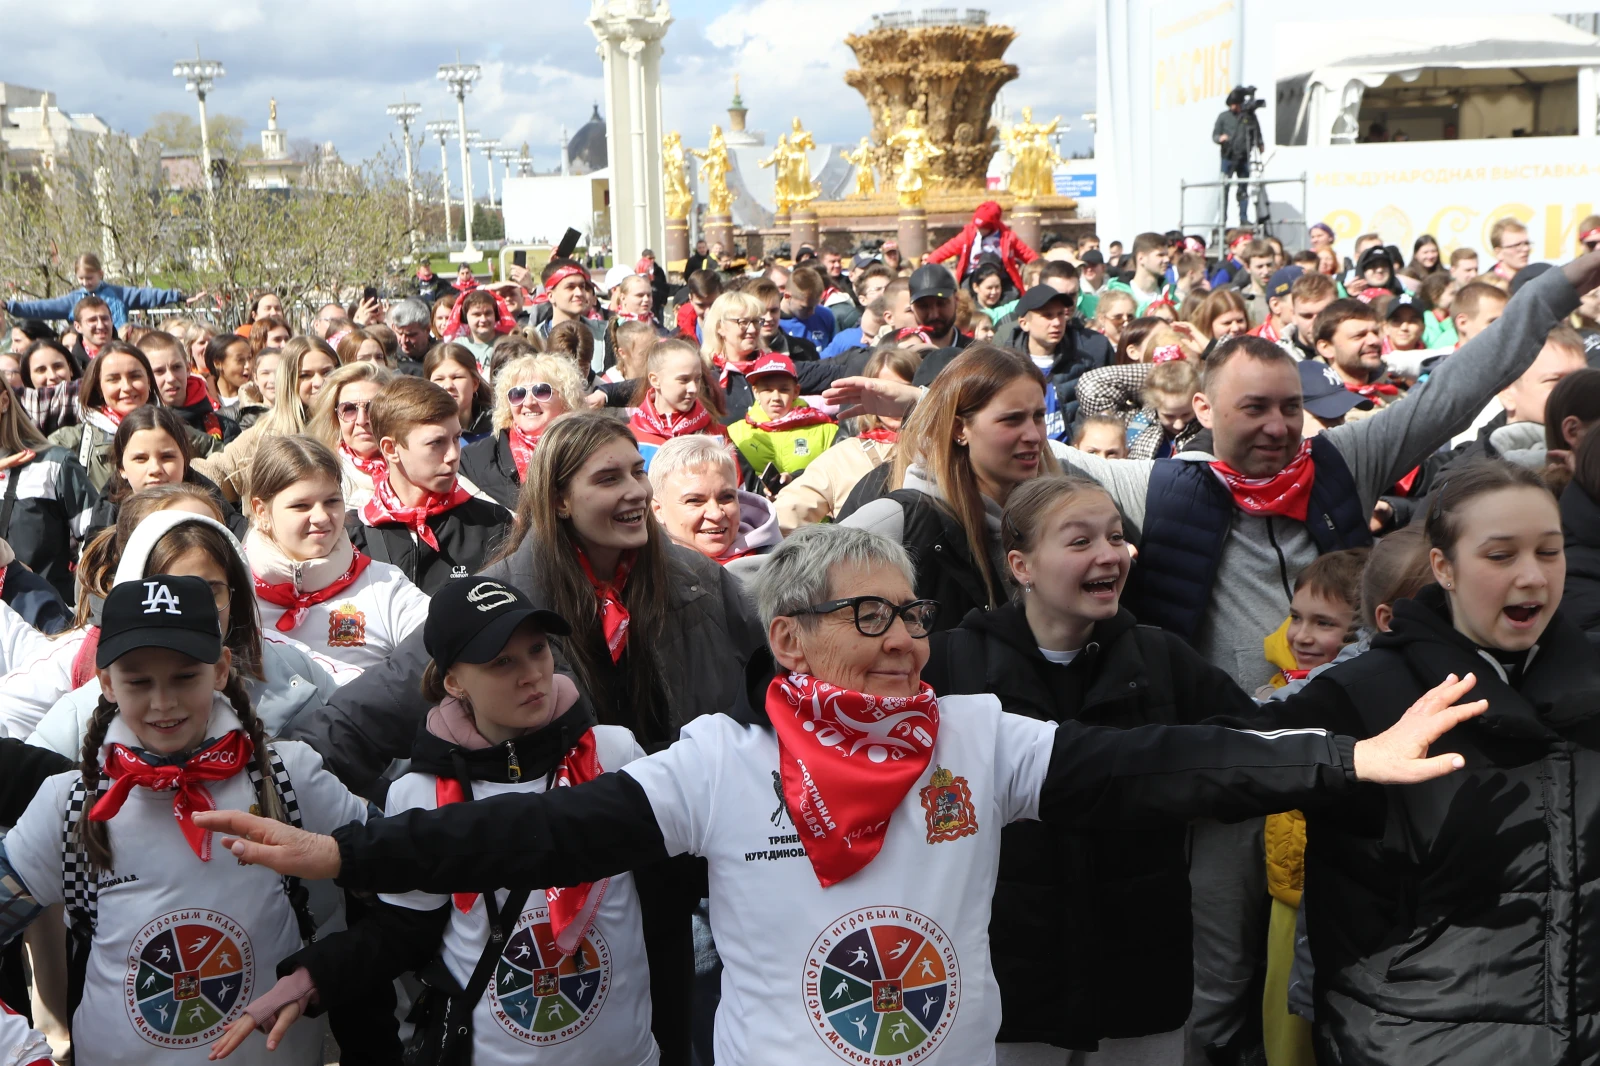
(147,298)
(561,837)
(1103,776)
(52,308)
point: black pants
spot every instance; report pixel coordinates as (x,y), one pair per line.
(1236,168)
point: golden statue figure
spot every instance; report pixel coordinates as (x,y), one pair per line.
(1033,158)
(676,170)
(861,159)
(802,188)
(272,110)
(917,153)
(779,161)
(714,170)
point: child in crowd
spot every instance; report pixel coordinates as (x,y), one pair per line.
(1168,396)
(569,961)
(780,430)
(169,941)
(670,404)
(1322,617)
(1102,435)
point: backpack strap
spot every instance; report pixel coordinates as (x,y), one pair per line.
(299,897)
(9,503)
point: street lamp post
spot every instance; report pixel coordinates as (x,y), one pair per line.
(198,75)
(460,77)
(488,145)
(405,113)
(505,155)
(442,128)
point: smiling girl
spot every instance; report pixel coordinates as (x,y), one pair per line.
(170,938)
(311,583)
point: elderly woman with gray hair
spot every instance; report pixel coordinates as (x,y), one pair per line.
(851,819)
(695,494)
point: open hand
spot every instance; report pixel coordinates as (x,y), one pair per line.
(257,841)
(1399,755)
(871,396)
(244,1025)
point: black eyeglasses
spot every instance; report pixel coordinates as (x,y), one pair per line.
(541,391)
(874,614)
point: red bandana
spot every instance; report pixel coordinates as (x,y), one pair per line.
(1286,493)
(882,434)
(83,662)
(557,278)
(193,393)
(456,325)
(847,760)
(296,604)
(793,418)
(572,909)
(522,446)
(1267,331)
(646,419)
(732,366)
(633,316)
(374,467)
(1374,391)
(385,508)
(219,762)
(613,613)
(1167,353)
(111,413)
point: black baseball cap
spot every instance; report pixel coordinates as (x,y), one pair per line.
(1035,299)
(470,620)
(1323,392)
(1282,280)
(932,280)
(1092,258)
(161,611)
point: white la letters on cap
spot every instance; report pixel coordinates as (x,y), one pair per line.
(487,595)
(158,597)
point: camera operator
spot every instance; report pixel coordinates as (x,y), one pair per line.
(1236,132)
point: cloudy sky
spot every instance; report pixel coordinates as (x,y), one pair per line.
(334,66)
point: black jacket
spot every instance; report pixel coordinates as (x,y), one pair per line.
(198,414)
(946,569)
(1453,921)
(938,359)
(24,768)
(1090,933)
(106,510)
(1081,350)
(488,464)
(35,599)
(815,375)
(712,631)
(1580,520)
(468,537)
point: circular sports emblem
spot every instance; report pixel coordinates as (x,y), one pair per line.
(882,984)
(187,972)
(542,996)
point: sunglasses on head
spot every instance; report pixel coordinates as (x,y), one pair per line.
(541,391)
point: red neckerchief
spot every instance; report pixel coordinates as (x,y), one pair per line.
(83,662)
(912,333)
(557,278)
(793,418)
(1294,675)
(1267,331)
(374,467)
(195,391)
(110,413)
(572,909)
(646,419)
(613,612)
(847,759)
(727,366)
(883,434)
(1286,493)
(522,446)
(220,761)
(385,508)
(633,316)
(1375,390)
(1403,486)
(296,604)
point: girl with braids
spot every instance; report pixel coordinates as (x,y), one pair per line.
(173,529)
(170,946)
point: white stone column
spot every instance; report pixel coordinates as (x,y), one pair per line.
(629,33)
(1588,106)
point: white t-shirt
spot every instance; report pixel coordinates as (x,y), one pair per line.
(1060,658)
(362,625)
(890,965)
(180,946)
(590,1008)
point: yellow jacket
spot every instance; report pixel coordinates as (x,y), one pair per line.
(1286,856)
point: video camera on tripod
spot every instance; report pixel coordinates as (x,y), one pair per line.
(1249,106)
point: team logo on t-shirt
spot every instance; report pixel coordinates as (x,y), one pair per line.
(187,972)
(541,996)
(347,627)
(948,803)
(882,985)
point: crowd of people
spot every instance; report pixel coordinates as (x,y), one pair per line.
(1024,656)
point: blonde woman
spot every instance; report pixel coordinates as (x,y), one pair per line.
(303,369)
(732,344)
(546,386)
(341,418)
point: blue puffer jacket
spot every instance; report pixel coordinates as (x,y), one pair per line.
(120,298)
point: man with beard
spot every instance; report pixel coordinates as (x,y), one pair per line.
(1349,339)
